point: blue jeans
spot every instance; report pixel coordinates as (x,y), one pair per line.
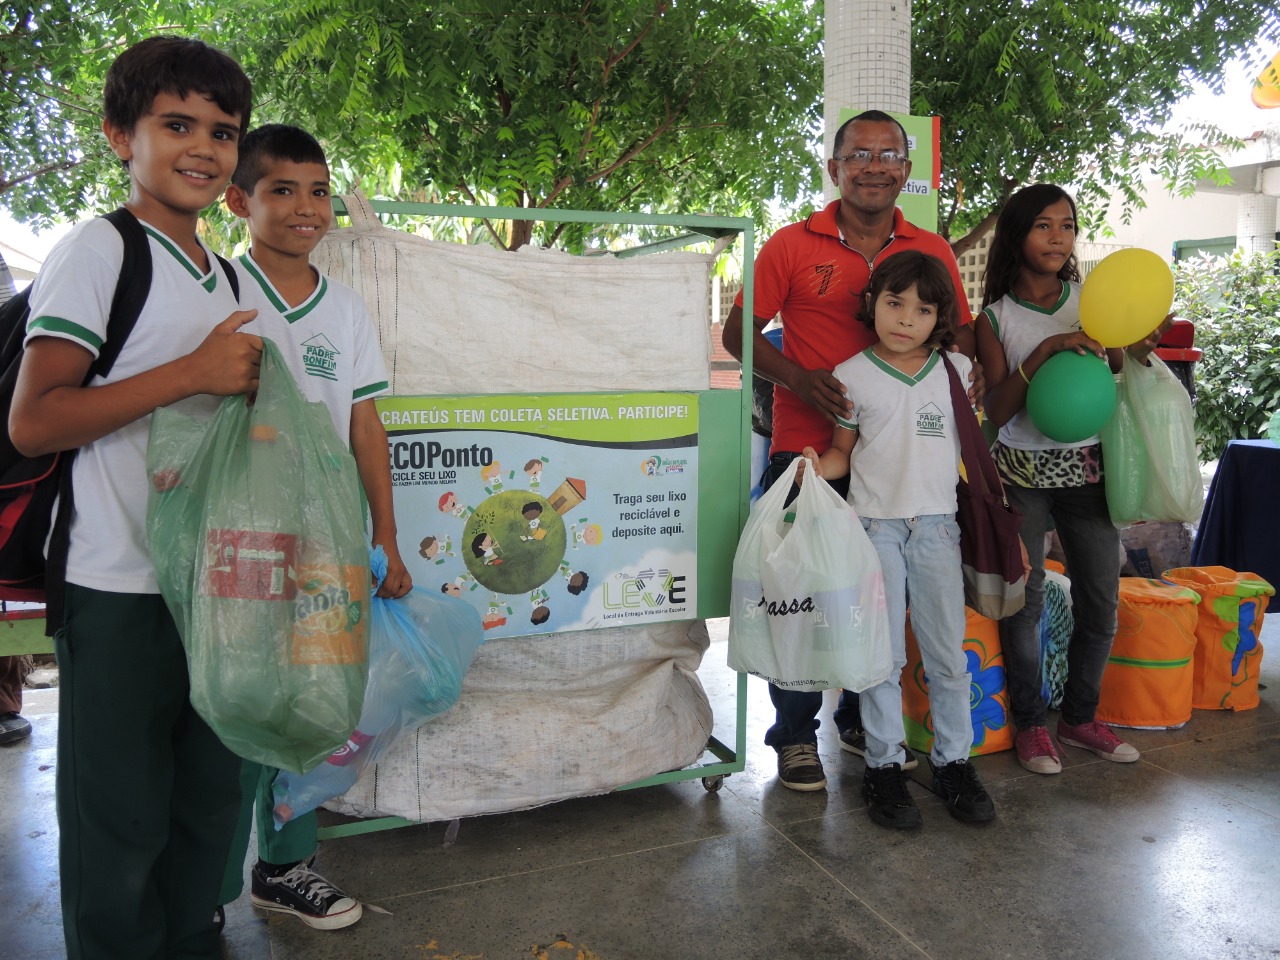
(796,711)
(920,558)
(1092,548)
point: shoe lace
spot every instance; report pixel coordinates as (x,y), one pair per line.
(965,779)
(309,884)
(890,784)
(1101,732)
(1040,742)
(800,753)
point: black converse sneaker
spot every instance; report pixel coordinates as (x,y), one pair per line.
(301,891)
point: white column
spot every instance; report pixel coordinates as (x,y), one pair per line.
(867,48)
(1256,223)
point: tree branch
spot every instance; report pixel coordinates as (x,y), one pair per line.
(6,185)
(612,59)
(487,225)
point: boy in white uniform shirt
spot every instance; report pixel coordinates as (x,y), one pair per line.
(901,451)
(324,332)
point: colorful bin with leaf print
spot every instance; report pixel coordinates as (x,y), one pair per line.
(988,698)
(1149,676)
(1228,654)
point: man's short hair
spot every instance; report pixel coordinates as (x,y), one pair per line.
(177,65)
(274,141)
(870,116)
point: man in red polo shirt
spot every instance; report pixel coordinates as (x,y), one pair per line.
(814,273)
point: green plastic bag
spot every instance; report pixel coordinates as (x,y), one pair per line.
(256,532)
(1152,468)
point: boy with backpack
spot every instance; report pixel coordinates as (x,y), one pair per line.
(327,339)
(146,793)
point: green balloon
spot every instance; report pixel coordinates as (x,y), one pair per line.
(1071,396)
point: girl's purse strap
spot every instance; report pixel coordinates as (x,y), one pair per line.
(979,466)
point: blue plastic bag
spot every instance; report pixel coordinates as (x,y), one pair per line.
(420,648)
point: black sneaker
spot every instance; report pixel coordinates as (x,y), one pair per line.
(855,741)
(219,918)
(888,802)
(14,727)
(305,894)
(957,783)
(799,767)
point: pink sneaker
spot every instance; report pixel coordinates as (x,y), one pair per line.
(1036,751)
(1097,736)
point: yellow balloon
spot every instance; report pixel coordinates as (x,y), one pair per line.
(1266,89)
(1125,297)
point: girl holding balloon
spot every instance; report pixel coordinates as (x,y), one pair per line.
(1049,454)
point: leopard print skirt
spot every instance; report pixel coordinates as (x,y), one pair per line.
(1055,467)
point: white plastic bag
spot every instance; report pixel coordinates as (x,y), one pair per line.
(1152,469)
(807,606)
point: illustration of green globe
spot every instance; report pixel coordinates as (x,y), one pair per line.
(513,542)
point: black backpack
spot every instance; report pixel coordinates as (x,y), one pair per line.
(30,486)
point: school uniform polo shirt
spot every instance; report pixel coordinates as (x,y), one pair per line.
(327,341)
(71,300)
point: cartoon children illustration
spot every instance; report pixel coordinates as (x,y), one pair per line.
(454,587)
(433,548)
(491,477)
(591,535)
(533,470)
(576,582)
(496,615)
(538,602)
(532,511)
(449,503)
(487,549)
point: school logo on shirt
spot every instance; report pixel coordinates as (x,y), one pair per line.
(320,357)
(929,421)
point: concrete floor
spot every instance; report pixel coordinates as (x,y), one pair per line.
(1176,857)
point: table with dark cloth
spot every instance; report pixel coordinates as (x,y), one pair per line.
(1240,527)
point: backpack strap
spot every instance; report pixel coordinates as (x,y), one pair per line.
(232,279)
(132,288)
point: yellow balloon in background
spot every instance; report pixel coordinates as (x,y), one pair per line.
(1125,297)
(1266,89)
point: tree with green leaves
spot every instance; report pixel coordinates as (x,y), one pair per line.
(588,104)
(1048,90)
(635,104)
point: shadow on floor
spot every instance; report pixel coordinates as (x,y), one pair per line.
(1176,857)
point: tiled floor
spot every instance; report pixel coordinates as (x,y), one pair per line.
(1176,857)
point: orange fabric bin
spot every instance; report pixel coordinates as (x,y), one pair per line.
(1228,654)
(1148,679)
(988,697)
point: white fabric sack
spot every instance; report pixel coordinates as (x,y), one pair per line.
(570,714)
(548,718)
(807,605)
(460,318)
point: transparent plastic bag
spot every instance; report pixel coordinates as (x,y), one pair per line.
(807,599)
(421,646)
(1152,468)
(256,531)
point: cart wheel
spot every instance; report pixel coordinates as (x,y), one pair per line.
(713,784)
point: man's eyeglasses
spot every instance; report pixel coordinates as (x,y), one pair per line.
(863,158)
